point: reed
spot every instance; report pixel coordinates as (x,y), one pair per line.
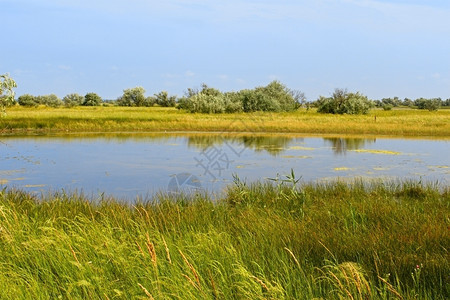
(404,122)
(277,240)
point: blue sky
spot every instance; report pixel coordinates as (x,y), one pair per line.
(382,48)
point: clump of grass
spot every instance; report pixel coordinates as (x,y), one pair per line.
(278,240)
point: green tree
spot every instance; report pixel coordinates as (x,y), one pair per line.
(7,94)
(92,99)
(430,104)
(49,100)
(27,100)
(163,99)
(132,97)
(258,100)
(273,97)
(207,100)
(408,102)
(343,102)
(72,100)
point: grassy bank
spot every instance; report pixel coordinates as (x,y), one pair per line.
(323,241)
(124,119)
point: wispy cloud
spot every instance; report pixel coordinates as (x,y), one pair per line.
(189,74)
(64,67)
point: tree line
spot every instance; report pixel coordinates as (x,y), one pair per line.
(274,97)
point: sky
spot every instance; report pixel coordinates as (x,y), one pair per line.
(381,48)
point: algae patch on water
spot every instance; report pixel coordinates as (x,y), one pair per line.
(381,168)
(373,151)
(342,169)
(300,148)
(296,156)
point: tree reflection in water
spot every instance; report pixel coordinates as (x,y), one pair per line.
(341,145)
(271,144)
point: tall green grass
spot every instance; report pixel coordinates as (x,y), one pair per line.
(278,240)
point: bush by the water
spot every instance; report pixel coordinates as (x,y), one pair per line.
(343,102)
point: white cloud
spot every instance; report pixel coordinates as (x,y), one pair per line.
(273,77)
(189,74)
(436,76)
(241,81)
(64,67)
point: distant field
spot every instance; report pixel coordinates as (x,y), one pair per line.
(401,122)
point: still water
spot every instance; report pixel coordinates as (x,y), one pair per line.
(129,165)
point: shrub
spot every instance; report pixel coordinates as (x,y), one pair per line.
(163,99)
(72,100)
(49,100)
(233,102)
(208,100)
(273,97)
(387,106)
(27,100)
(92,99)
(430,104)
(343,102)
(132,97)
(283,96)
(258,100)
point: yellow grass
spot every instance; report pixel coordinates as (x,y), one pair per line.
(402,122)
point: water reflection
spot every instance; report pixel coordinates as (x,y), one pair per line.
(340,146)
(127,165)
(271,144)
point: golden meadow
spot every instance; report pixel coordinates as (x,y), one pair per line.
(397,122)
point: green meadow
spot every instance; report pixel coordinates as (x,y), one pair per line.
(267,240)
(398,122)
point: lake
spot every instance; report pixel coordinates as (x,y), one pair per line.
(138,165)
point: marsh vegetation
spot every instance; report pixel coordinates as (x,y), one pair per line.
(279,240)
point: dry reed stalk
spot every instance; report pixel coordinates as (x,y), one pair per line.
(197,278)
(293,256)
(190,281)
(329,251)
(356,276)
(138,210)
(151,250)
(391,288)
(147,216)
(167,250)
(140,249)
(146,291)
(213,285)
(74,254)
(337,280)
(263,285)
